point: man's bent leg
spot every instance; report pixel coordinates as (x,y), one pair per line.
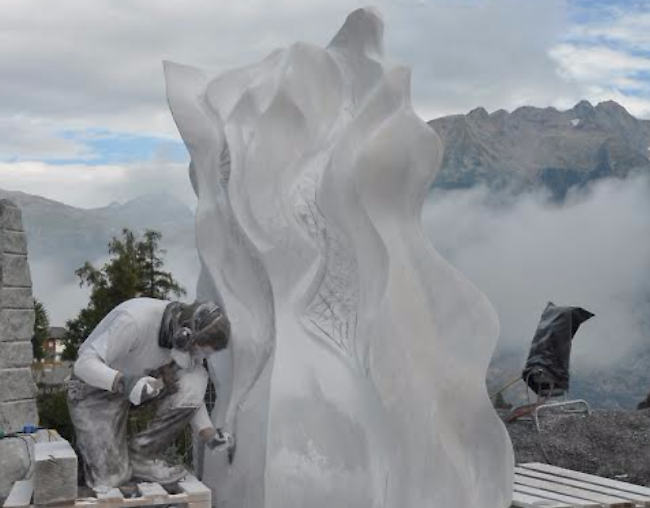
(99,418)
(176,407)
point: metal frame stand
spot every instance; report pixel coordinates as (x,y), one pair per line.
(565,404)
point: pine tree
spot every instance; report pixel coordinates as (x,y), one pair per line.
(41,329)
(154,282)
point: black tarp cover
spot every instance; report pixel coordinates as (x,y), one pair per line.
(550,350)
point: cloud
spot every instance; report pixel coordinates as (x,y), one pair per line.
(478,53)
(624,27)
(100,65)
(600,64)
(86,186)
(523,251)
(34,138)
(82,67)
(606,54)
(57,290)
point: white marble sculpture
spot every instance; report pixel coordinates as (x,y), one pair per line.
(357,367)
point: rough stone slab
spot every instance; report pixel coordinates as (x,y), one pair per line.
(55,473)
(15,415)
(16,298)
(16,270)
(14,242)
(16,325)
(16,354)
(15,460)
(16,384)
(10,216)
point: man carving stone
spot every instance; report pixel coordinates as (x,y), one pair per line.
(144,349)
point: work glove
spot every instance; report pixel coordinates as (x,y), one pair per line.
(139,389)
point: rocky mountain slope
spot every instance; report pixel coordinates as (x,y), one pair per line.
(534,146)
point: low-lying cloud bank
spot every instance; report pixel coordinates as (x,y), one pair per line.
(592,251)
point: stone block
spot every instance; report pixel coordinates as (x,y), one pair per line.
(16,354)
(10,216)
(14,242)
(14,463)
(15,415)
(16,324)
(16,298)
(55,473)
(16,270)
(17,384)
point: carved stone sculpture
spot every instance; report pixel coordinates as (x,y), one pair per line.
(356,376)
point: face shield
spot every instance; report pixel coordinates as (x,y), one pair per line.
(183,359)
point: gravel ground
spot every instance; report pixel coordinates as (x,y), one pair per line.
(611,444)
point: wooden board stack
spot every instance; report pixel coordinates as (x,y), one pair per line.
(541,485)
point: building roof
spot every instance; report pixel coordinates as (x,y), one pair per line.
(56,332)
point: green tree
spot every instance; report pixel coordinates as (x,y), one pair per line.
(154,282)
(41,328)
(135,269)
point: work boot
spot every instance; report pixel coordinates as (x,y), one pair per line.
(156,470)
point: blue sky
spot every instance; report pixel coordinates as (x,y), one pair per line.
(83,117)
(108,147)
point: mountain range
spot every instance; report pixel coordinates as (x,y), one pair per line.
(532,146)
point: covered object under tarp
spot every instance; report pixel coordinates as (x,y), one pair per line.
(547,367)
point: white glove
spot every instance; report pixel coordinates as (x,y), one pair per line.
(145,388)
(221,441)
(218,440)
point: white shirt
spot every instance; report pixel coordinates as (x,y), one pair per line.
(126,340)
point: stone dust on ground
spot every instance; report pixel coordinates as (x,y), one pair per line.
(611,444)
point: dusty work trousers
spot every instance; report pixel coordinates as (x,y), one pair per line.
(100,421)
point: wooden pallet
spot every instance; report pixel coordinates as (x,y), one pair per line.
(193,494)
(541,485)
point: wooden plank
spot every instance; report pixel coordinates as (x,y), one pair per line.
(589,478)
(152,490)
(554,496)
(20,494)
(132,502)
(520,500)
(636,498)
(610,501)
(195,490)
